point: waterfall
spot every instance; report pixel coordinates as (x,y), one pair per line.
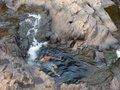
(35,46)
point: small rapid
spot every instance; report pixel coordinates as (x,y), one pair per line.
(35,46)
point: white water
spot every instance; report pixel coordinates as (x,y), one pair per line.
(118,53)
(34,48)
(32,52)
(36,23)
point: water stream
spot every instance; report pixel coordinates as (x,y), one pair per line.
(35,46)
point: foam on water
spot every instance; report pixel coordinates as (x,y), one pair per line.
(34,48)
(32,52)
(118,53)
(35,23)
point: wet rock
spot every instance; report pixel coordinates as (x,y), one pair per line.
(110,57)
(26,31)
(100,58)
(69,69)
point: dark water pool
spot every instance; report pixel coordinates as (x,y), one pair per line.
(69,69)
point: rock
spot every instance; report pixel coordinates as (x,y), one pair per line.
(4,61)
(70,19)
(25,27)
(109,42)
(1,3)
(89,9)
(15,4)
(77,44)
(100,58)
(76,20)
(81,86)
(107,3)
(115,83)
(117,2)
(110,57)
(7,75)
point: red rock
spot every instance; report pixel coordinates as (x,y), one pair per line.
(46,59)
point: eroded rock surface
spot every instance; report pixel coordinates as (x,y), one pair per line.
(82,20)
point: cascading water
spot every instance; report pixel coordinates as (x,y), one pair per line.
(32,52)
